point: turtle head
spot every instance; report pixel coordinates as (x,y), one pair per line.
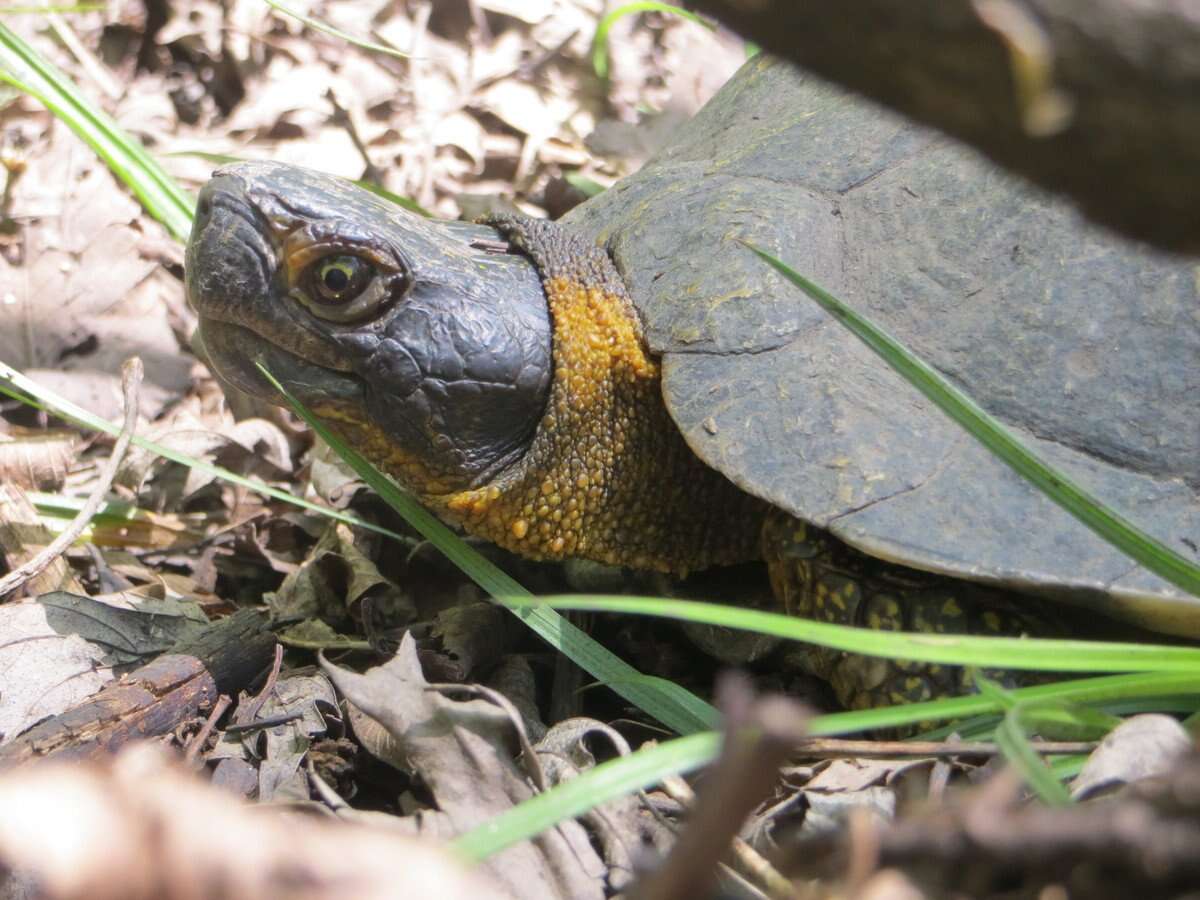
(512,392)
(424,346)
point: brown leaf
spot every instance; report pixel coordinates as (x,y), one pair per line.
(335,579)
(1140,747)
(474,636)
(43,670)
(37,460)
(71,311)
(462,751)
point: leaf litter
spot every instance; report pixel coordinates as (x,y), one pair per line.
(495,105)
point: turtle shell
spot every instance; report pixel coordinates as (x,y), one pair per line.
(1088,346)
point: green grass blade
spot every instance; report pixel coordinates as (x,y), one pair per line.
(25,69)
(1067,767)
(607,781)
(1012,736)
(998,652)
(217,159)
(677,709)
(404,202)
(584,185)
(1115,529)
(318,25)
(224,159)
(648,766)
(1109,695)
(1067,721)
(600,41)
(57,510)
(1103,691)
(1014,742)
(994,691)
(62,506)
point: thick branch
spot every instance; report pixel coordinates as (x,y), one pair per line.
(1097,99)
(155,698)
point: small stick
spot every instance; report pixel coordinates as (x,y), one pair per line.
(94,68)
(197,741)
(749,861)
(330,797)
(249,714)
(826,747)
(760,735)
(342,117)
(263,724)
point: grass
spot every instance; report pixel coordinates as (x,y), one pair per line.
(1159,678)
(600,40)
(1029,653)
(25,69)
(326,28)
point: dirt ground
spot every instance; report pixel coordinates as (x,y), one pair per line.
(487,104)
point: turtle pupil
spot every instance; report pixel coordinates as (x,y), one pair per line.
(339,279)
(336,280)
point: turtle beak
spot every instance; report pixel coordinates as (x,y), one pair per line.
(231,274)
(230,261)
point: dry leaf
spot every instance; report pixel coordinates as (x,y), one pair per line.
(43,670)
(37,460)
(1140,747)
(462,749)
(71,313)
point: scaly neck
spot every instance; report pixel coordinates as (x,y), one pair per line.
(607,475)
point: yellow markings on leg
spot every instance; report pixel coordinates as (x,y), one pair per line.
(822,578)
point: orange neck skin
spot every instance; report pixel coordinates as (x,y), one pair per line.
(607,476)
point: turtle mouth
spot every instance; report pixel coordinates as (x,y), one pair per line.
(230,258)
(240,354)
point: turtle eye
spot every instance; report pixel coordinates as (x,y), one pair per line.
(339,279)
(347,288)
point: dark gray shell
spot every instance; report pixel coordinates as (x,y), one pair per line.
(1087,345)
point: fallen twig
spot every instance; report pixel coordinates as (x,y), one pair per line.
(838,747)
(760,736)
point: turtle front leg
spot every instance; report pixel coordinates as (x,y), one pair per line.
(816,576)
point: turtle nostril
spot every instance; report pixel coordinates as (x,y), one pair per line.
(204,207)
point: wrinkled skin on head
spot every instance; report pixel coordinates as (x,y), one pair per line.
(442,345)
(512,392)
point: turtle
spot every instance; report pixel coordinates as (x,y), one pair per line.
(632,385)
